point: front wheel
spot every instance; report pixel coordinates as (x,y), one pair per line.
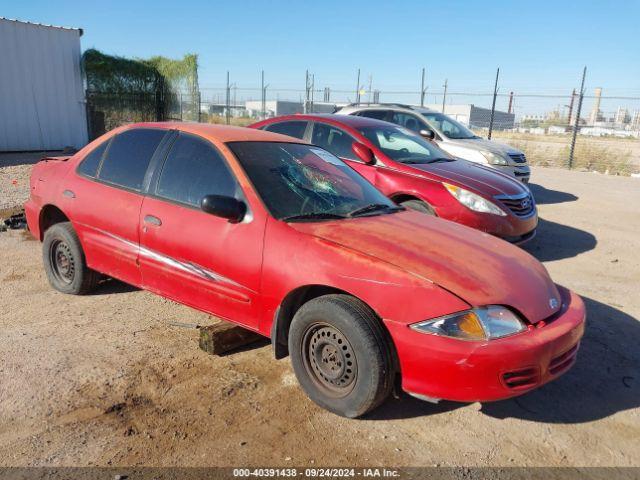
(64,261)
(341,355)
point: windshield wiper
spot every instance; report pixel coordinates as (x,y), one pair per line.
(412,162)
(373,207)
(313,216)
(441,159)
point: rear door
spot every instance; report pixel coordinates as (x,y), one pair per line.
(194,257)
(106,197)
(340,142)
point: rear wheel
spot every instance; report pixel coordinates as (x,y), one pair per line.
(341,355)
(419,206)
(64,261)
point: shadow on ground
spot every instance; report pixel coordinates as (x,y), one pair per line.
(605,379)
(544,195)
(111,285)
(555,241)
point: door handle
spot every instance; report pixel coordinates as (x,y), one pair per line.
(152,220)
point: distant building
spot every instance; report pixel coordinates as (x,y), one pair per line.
(276,108)
(42,104)
(557,130)
(622,115)
(635,120)
(476,117)
(595,115)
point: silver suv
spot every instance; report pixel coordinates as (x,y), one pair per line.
(449,134)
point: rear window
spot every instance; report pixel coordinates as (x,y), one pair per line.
(91,162)
(128,157)
(294,129)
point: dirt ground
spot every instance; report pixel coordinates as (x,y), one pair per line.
(114,379)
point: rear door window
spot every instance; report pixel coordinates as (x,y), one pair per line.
(91,162)
(333,139)
(377,114)
(193,169)
(128,157)
(294,129)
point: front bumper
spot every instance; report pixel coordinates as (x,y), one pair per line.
(510,227)
(521,172)
(445,368)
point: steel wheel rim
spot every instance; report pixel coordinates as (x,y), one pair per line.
(329,359)
(62,262)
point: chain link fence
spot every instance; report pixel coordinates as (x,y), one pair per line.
(540,123)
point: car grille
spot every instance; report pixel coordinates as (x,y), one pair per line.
(518,157)
(520,205)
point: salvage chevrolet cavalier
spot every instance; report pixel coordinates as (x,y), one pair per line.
(285,239)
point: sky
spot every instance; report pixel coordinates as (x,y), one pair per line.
(540,46)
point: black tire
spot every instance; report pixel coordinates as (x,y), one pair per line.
(341,355)
(64,261)
(419,206)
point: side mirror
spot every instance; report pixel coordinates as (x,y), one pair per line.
(225,207)
(364,153)
(428,134)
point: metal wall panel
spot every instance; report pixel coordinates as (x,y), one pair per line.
(41,89)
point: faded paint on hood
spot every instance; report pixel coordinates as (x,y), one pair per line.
(477,267)
(483,180)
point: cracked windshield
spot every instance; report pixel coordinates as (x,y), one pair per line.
(301,182)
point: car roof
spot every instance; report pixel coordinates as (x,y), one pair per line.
(386,106)
(219,133)
(349,120)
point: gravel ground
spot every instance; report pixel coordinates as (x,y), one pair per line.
(15,169)
(107,379)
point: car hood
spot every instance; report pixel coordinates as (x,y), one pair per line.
(479,268)
(490,145)
(474,177)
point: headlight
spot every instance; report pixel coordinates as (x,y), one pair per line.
(484,323)
(473,201)
(493,158)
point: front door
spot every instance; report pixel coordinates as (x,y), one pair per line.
(194,257)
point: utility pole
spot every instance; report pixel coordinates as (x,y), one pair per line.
(306,92)
(444,97)
(573,97)
(358,88)
(228,100)
(423,90)
(576,123)
(313,86)
(263,90)
(493,105)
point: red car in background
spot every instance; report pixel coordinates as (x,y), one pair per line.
(285,239)
(417,174)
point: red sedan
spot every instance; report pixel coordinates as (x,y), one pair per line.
(417,174)
(285,239)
